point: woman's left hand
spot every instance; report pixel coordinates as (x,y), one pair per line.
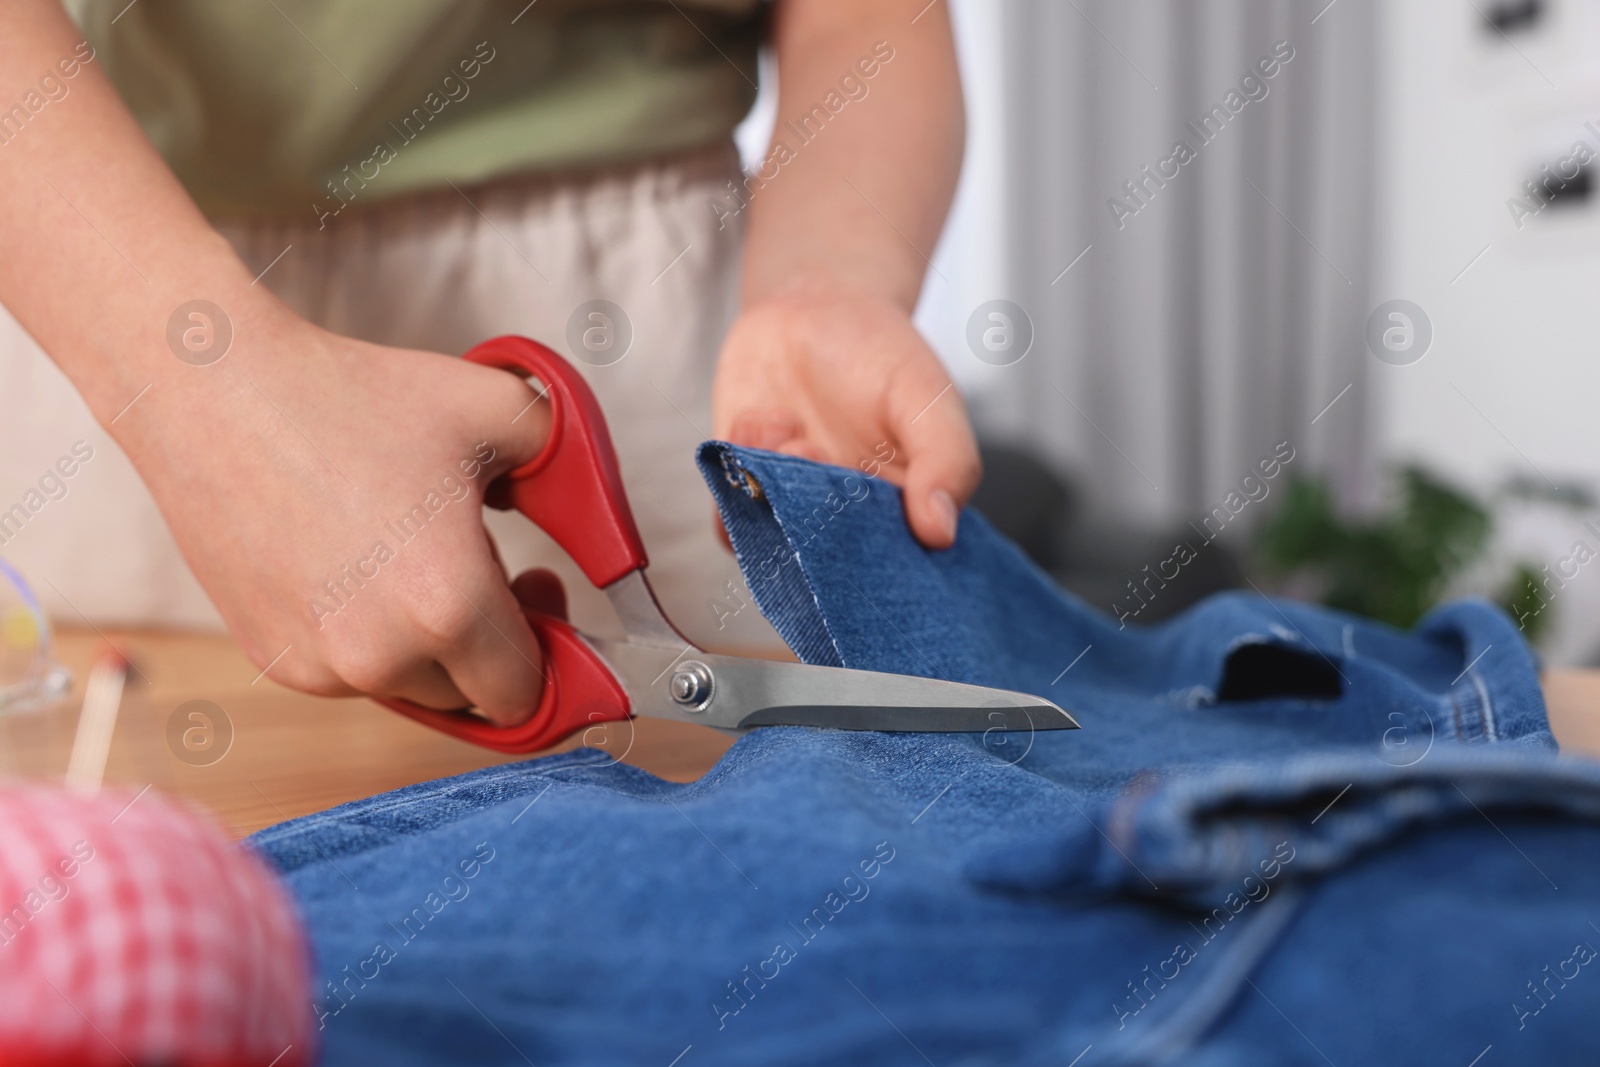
(843,377)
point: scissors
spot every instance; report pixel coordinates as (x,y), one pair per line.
(573,491)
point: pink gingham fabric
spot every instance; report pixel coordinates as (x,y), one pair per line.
(134,931)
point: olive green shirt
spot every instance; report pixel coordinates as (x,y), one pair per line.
(289,106)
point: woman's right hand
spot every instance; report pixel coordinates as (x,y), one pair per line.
(328,495)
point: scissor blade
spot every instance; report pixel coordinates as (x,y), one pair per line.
(750,692)
(1023,717)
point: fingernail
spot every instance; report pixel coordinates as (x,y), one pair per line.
(945,506)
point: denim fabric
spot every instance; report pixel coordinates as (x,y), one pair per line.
(1283,836)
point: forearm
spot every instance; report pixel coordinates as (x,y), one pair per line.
(857,199)
(101,243)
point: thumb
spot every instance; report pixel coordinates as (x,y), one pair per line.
(941,462)
(514,421)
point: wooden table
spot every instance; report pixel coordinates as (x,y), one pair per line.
(293,754)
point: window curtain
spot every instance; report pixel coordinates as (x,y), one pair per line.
(1185,212)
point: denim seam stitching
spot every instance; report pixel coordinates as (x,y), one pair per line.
(1490,733)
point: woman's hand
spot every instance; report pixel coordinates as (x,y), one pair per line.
(833,375)
(824,361)
(328,495)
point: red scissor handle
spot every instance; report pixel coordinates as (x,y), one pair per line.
(579,691)
(573,491)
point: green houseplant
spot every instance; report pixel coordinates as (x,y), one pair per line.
(1397,563)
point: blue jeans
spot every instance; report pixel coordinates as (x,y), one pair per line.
(1284,835)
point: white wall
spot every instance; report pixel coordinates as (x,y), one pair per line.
(1511,383)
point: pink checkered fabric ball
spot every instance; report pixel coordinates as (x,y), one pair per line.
(133,931)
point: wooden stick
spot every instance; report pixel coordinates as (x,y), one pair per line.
(102,698)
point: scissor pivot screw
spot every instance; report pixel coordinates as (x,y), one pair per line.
(691,685)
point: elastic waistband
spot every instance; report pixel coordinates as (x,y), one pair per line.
(656,178)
